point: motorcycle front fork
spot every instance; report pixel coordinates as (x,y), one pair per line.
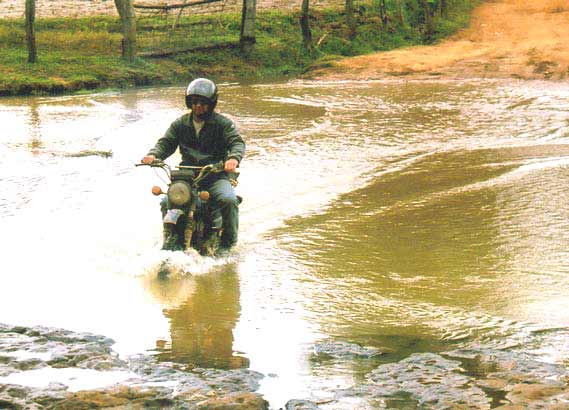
(189,232)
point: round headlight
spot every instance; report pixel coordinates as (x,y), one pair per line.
(179,193)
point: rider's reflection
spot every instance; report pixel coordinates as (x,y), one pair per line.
(201,327)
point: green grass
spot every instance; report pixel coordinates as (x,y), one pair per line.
(83,54)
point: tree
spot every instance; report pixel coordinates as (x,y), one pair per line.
(30,32)
(128,23)
(383,13)
(350,19)
(305,25)
(429,24)
(443,7)
(248,15)
(400,15)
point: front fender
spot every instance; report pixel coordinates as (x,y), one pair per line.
(172,216)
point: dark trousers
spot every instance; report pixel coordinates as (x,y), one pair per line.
(223,199)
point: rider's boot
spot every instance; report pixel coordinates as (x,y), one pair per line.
(211,244)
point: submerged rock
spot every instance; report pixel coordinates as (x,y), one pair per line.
(464,379)
(517,378)
(430,380)
(301,405)
(508,363)
(344,350)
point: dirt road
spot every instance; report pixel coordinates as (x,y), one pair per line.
(506,39)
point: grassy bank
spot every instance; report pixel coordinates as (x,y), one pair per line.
(84,54)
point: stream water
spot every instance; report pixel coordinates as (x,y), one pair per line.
(416,216)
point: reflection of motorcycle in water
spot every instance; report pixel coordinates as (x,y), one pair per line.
(188,218)
(202,320)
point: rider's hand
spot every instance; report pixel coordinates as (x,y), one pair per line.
(231,165)
(149,159)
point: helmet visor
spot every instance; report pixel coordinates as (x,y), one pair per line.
(198,99)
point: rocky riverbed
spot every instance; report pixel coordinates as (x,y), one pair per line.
(46,368)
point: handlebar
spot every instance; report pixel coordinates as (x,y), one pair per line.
(203,171)
(216,167)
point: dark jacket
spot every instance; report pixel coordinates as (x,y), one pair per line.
(218,141)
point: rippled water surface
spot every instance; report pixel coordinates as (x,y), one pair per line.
(410,216)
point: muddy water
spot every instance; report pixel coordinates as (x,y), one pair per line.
(407,216)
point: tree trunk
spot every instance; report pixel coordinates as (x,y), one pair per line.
(305,25)
(30,31)
(128,23)
(248,15)
(178,17)
(429,25)
(383,13)
(400,15)
(444,8)
(350,20)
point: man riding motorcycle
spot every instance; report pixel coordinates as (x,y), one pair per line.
(206,137)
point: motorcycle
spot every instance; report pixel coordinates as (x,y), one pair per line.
(189,222)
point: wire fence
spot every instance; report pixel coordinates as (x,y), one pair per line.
(82,8)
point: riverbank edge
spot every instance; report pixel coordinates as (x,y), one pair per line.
(277,55)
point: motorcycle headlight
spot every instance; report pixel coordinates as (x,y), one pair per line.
(179,193)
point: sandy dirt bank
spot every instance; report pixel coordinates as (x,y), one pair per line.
(506,39)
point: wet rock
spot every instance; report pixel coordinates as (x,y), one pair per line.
(235,401)
(54,334)
(344,350)
(430,380)
(15,392)
(153,385)
(13,397)
(88,153)
(465,379)
(5,359)
(54,386)
(493,384)
(5,404)
(506,363)
(517,376)
(28,364)
(233,380)
(101,363)
(301,405)
(527,393)
(53,347)
(88,400)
